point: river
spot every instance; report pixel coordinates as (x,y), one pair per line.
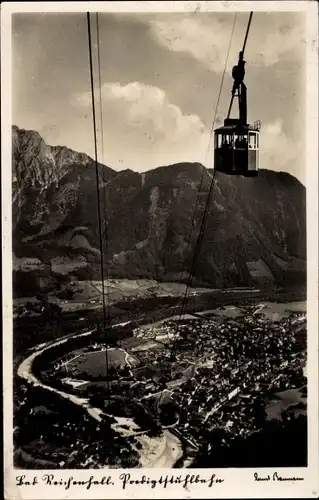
(155,452)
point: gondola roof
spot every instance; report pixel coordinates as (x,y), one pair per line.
(236,125)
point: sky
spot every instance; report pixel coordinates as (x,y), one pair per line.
(160,80)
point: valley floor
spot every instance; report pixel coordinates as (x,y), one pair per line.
(227,361)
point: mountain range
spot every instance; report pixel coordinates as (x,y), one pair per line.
(255,230)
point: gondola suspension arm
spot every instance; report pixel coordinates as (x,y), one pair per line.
(238,72)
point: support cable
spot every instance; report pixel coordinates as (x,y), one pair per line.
(103,176)
(202,229)
(98,193)
(207,152)
(210,192)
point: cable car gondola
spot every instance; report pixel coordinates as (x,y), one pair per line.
(237,143)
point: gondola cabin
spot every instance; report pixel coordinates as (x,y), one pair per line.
(237,148)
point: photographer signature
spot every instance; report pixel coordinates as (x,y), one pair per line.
(276,477)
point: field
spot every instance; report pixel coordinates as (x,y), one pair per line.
(229,311)
(146,346)
(143,287)
(87,294)
(290,400)
(275,311)
(64,265)
(93,364)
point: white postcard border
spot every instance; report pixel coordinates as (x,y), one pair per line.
(238,483)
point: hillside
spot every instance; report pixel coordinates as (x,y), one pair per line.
(256,229)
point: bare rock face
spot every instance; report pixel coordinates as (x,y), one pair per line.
(48,183)
(255,231)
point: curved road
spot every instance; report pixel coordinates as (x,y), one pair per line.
(155,452)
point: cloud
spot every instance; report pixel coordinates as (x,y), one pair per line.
(206,38)
(278,151)
(143,129)
(278,44)
(206,43)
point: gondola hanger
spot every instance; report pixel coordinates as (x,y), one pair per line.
(236,146)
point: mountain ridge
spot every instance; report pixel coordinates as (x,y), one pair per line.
(256,229)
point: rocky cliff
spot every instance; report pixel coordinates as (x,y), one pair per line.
(255,231)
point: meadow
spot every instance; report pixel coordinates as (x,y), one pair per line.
(93,364)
